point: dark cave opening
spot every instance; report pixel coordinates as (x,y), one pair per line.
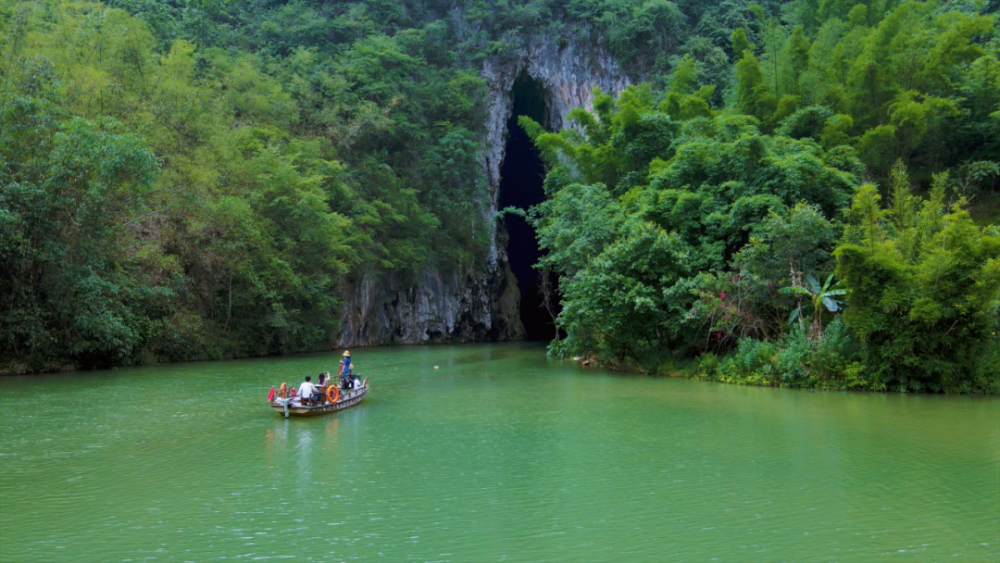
(521,177)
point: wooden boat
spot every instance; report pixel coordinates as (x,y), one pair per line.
(292,407)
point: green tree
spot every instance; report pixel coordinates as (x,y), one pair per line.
(740,43)
(819,297)
(923,282)
(753,94)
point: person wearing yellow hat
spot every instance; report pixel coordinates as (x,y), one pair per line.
(345,371)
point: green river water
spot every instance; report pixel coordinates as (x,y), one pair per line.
(499,455)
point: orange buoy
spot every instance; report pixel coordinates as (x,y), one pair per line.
(283,390)
(332,394)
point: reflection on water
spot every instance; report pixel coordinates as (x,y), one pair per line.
(501,454)
(331,427)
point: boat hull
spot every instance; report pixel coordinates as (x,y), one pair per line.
(348,399)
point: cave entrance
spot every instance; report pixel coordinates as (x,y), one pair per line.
(521,175)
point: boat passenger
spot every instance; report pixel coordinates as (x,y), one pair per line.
(307,391)
(322,380)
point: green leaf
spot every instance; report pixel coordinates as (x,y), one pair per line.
(793,316)
(826,285)
(795,289)
(831,305)
(813,284)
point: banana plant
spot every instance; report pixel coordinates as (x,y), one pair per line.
(820,297)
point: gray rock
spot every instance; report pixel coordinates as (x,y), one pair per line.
(442,305)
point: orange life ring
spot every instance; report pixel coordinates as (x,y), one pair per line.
(332,394)
(283,390)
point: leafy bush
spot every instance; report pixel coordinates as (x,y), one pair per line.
(792,361)
(755,362)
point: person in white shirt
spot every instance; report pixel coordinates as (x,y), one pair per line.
(307,390)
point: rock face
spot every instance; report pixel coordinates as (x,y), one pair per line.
(480,304)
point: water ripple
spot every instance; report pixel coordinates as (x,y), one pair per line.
(499,455)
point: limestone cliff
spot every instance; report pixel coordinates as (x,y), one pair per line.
(480,304)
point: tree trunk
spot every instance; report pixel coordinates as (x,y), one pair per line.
(229,309)
(816,330)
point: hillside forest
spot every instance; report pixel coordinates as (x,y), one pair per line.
(797,194)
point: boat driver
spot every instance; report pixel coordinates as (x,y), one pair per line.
(307,391)
(345,371)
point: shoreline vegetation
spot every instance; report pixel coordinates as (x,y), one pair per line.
(793,193)
(812,232)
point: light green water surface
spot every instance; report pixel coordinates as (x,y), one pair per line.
(499,455)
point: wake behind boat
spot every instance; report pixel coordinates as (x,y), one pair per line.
(331,399)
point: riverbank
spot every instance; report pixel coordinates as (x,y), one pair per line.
(24,366)
(761,364)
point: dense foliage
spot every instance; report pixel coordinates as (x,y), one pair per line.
(924,284)
(167,200)
(187,180)
(746,242)
(203,179)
